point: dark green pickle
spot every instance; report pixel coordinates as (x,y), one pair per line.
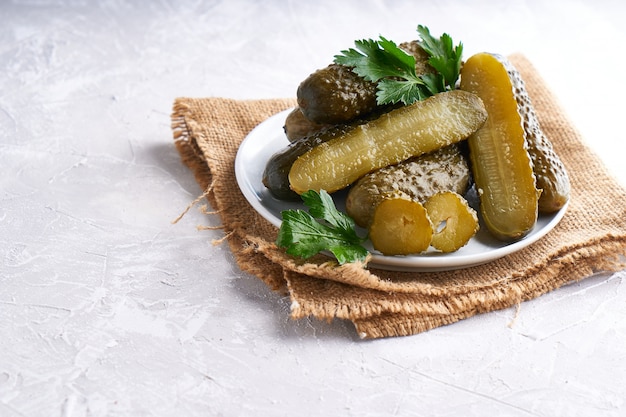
(335,94)
(297,126)
(276,173)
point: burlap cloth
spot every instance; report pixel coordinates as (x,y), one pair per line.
(590,238)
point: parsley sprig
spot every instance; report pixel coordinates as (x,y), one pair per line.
(383,62)
(323,228)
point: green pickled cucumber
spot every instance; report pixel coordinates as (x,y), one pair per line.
(550,173)
(405,132)
(501,166)
(336,94)
(276,172)
(297,126)
(418,178)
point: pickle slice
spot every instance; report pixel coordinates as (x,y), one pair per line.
(409,131)
(400,226)
(454,221)
(501,166)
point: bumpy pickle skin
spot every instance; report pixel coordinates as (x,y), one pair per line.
(501,166)
(400,226)
(297,126)
(408,131)
(335,94)
(550,172)
(276,172)
(445,169)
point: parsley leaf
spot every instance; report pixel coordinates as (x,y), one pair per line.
(444,57)
(383,62)
(322,228)
(394,91)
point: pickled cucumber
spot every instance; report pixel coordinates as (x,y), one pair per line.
(454,221)
(297,126)
(418,178)
(400,226)
(336,94)
(550,173)
(501,166)
(276,172)
(408,131)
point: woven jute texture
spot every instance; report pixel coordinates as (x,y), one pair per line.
(590,238)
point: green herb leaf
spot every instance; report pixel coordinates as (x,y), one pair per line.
(394,91)
(444,57)
(383,62)
(323,228)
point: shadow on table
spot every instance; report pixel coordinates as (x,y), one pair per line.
(166,156)
(252,289)
(277,306)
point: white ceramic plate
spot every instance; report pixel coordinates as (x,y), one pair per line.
(268,138)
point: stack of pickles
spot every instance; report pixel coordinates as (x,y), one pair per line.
(407,166)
